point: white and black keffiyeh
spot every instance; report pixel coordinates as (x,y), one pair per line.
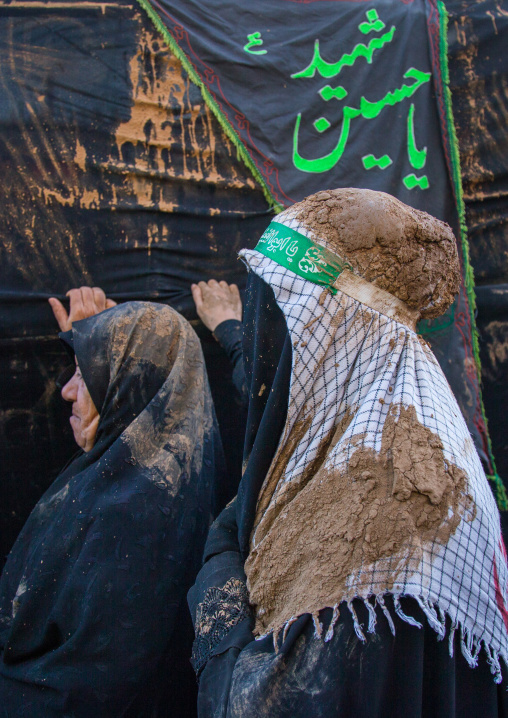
(356,370)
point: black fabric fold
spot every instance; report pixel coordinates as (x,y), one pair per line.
(407,675)
(229,334)
(267,362)
(267,356)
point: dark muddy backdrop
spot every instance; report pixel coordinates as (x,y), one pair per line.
(479,80)
(108,151)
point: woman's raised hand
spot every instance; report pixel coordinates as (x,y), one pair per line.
(84,302)
(216,301)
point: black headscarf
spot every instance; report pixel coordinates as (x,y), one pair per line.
(267,354)
(91,595)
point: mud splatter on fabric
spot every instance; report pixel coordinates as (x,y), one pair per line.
(393,246)
(381,506)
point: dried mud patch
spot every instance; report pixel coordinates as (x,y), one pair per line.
(386,505)
(402,250)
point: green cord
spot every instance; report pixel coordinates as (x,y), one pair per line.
(212,104)
(502,497)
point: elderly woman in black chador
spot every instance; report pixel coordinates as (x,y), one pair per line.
(92,614)
(363,551)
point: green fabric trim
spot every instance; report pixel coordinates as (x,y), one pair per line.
(207,97)
(301,255)
(501,495)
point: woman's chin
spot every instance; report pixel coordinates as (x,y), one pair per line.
(78,436)
(84,437)
(79,441)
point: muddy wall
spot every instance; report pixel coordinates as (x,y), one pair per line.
(479,80)
(114,174)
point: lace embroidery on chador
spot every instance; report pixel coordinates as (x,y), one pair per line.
(221,610)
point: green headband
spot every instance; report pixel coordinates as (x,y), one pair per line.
(301,255)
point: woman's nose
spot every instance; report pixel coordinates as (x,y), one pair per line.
(69,391)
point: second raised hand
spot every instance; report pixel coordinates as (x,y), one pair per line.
(216,302)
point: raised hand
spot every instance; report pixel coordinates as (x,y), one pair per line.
(84,302)
(216,301)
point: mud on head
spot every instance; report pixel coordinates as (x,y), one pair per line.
(402,250)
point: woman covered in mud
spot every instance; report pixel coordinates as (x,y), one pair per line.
(93,616)
(363,550)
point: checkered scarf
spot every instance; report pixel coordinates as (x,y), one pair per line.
(366,365)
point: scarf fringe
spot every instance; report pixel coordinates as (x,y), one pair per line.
(356,623)
(335,617)
(400,613)
(470,644)
(451,638)
(318,626)
(372,616)
(381,601)
(432,617)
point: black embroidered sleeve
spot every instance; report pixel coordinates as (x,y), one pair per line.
(221,610)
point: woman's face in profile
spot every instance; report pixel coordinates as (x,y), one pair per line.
(85,417)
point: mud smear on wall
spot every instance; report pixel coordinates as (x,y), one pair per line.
(171,138)
(38,169)
(118,133)
(171,133)
(479,82)
(496,347)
